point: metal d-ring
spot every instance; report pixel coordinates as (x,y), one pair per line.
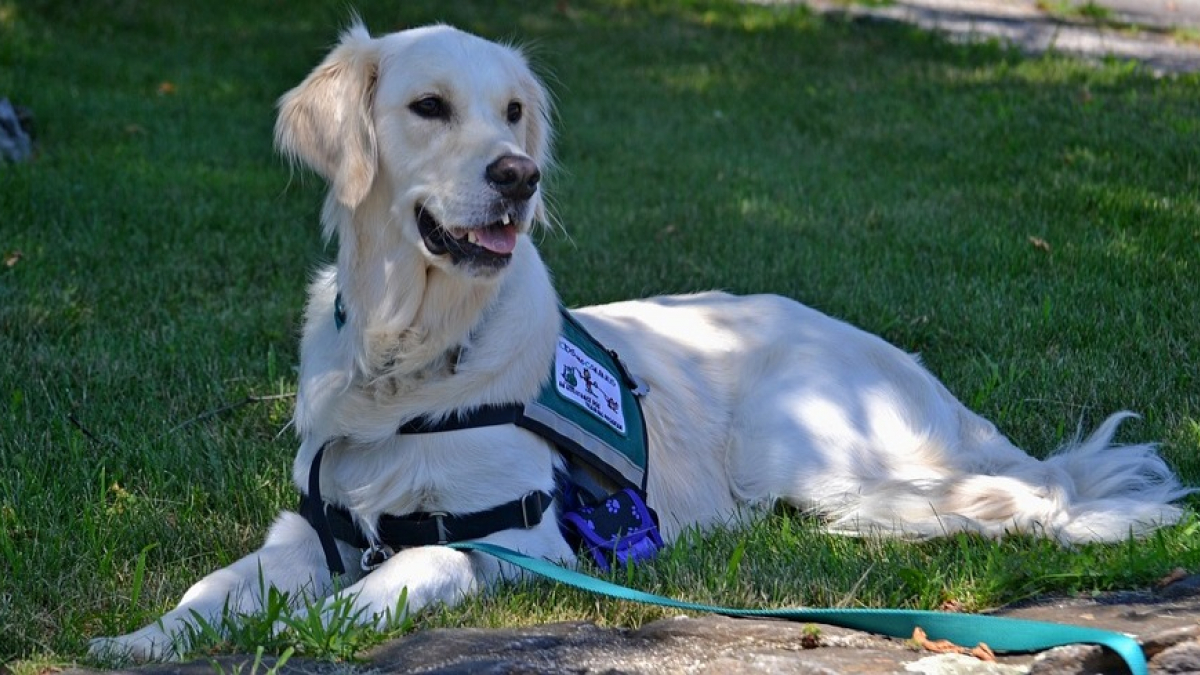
(376,554)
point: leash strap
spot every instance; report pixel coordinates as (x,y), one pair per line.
(1000,633)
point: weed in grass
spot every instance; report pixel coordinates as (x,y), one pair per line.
(257,666)
(332,627)
(241,631)
(1089,10)
(1186,34)
(810,636)
(865,3)
(139,575)
(326,628)
(734,565)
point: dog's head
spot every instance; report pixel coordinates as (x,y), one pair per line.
(449,130)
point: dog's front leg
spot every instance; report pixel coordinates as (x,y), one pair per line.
(431,574)
(291,560)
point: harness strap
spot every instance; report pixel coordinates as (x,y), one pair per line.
(483,416)
(437,528)
(312,507)
(571,439)
(1000,633)
(334,523)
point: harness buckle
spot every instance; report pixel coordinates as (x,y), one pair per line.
(525,509)
(443,534)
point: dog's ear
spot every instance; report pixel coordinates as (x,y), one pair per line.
(326,121)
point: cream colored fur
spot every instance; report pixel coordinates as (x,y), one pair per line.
(753,399)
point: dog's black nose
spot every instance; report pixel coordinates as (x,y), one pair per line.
(514,176)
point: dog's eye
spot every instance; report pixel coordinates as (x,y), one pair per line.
(514,112)
(431,107)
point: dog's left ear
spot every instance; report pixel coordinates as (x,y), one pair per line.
(326,121)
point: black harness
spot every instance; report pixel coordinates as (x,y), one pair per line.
(335,523)
(581,441)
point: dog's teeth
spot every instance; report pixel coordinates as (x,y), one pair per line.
(506,219)
(472,238)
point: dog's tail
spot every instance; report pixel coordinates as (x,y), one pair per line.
(1089,490)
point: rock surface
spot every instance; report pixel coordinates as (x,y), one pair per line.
(1166,623)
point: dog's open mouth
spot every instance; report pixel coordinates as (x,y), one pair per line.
(489,245)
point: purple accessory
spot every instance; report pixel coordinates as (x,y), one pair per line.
(620,527)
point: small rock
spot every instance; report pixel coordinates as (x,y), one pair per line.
(1180,658)
(1078,660)
(961,664)
(1182,588)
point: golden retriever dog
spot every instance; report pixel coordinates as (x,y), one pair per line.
(433,142)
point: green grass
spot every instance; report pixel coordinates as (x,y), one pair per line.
(1185,34)
(1030,226)
(1084,11)
(1099,16)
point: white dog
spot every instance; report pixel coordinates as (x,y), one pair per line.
(433,141)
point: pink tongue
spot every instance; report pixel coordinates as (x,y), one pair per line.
(500,239)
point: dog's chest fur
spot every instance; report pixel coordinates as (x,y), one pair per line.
(372,470)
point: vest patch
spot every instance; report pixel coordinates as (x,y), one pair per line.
(589,385)
(589,409)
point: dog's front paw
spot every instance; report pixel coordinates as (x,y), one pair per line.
(148,644)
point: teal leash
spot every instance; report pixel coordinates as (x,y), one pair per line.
(1000,633)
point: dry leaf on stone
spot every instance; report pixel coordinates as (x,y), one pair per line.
(981,652)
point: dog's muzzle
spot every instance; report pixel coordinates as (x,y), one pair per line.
(485,246)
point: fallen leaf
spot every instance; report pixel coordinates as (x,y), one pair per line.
(12,258)
(936,646)
(981,651)
(984,652)
(134,129)
(951,605)
(1038,242)
(166,88)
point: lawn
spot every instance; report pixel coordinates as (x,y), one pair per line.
(1030,226)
